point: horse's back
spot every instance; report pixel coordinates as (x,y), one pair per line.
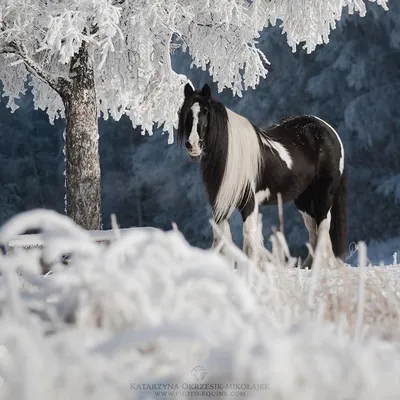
(314,148)
(308,138)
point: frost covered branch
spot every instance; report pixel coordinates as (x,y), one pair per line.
(131,45)
(56,83)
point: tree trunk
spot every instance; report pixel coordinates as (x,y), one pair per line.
(83,194)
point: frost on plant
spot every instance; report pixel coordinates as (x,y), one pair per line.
(132,41)
(151,310)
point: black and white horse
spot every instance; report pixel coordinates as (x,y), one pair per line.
(243,167)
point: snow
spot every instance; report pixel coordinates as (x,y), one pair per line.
(37,240)
(150,315)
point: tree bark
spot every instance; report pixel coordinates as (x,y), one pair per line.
(83,191)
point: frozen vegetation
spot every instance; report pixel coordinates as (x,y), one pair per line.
(149,309)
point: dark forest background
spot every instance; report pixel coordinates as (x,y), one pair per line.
(353,82)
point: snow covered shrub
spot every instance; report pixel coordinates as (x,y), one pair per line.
(149,315)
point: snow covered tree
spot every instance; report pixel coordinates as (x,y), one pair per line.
(85,58)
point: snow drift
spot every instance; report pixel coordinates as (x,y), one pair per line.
(150,316)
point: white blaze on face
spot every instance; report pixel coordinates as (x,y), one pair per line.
(194,138)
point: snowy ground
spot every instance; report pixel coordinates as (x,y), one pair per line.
(150,316)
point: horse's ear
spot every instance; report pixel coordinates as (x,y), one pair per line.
(206,91)
(188,90)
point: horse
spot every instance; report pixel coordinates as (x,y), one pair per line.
(244,167)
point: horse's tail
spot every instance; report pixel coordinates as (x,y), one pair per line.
(338,229)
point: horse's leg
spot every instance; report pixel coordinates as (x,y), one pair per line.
(311,226)
(322,211)
(253,241)
(306,205)
(315,205)
(324,226)
(225,230)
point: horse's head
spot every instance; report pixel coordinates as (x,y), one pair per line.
(194,119)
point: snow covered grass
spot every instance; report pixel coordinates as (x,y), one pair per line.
(150,315)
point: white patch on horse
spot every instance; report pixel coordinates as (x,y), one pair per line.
(325,223)
(194,138)
(242,164)
(262,195)
(341,162)
(280,149)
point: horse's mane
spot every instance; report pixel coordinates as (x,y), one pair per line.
(216,141)
(184,114)
(241,156)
